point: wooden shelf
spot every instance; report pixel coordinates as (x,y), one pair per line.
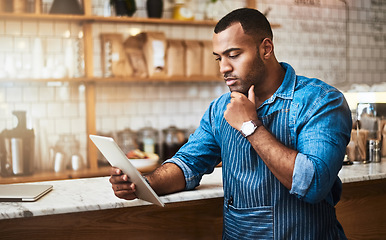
(102,19)
(15,80)
(156,79)
(153,21)
(117,79)
(43,17)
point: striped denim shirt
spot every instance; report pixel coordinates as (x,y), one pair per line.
(305,114)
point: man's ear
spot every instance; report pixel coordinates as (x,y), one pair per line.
(267,48)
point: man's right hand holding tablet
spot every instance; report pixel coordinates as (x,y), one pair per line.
(121,184)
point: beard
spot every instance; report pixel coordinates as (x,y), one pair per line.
(254,77)
(242,86)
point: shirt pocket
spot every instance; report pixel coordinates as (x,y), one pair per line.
(248,223)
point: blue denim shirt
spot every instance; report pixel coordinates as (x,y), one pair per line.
(304,114)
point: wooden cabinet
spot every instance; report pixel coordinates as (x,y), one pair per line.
(362,209)
(199,219)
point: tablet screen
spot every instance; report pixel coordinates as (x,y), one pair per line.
(115,156)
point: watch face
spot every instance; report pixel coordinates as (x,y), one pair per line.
(247,128)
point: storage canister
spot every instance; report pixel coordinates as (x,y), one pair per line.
(374,150)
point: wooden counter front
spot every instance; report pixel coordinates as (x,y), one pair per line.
(87,209)
(200,219)
(362,209)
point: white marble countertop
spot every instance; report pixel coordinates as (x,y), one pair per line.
(359,172)
(89,194)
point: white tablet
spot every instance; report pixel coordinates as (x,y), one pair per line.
(115,156)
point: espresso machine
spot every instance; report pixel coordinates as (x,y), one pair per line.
(17,148)
(372,119)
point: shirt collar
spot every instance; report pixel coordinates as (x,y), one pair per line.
(287,87)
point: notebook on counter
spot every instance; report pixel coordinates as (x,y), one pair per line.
(22,192)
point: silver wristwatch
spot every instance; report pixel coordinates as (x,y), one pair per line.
(250,127)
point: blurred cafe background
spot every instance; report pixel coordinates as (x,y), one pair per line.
(144,75)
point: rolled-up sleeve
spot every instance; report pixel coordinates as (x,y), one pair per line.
(301,180)
(192,180)
(323,134)
(201,153)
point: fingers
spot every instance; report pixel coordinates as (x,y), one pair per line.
(241,108)
(251,94)
(121,184)
(115,171)
(117,174)
(236,94)
(125,191)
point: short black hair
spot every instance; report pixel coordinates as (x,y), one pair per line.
(252,21)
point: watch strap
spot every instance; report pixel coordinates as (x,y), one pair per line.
(257,123)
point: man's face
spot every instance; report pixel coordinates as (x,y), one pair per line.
(239,59)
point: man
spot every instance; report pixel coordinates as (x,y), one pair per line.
(281,139)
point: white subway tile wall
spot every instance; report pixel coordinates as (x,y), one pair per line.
(159,105)
(312,37)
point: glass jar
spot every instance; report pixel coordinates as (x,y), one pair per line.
(127,140)
(148,140)
(173,139)
(65,148)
